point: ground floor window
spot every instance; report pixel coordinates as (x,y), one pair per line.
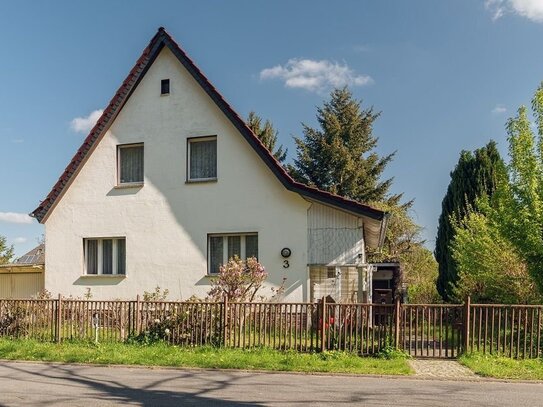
(223,247)
(105,256)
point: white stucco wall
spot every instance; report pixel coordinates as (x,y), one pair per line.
(166,222)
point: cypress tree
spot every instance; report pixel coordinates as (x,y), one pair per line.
(267,134)
(339,156)
(475,174)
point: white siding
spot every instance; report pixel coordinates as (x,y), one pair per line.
(334,237)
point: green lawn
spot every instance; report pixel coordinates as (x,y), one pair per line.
(204,357)
(503,368)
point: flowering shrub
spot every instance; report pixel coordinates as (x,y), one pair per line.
(157,295)
(190,323)
(156,331)
(238,280)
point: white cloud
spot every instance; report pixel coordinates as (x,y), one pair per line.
(13,217)
(315,76)
(531,9)
(499,109)
(17,140)
(19,240)
(85,124)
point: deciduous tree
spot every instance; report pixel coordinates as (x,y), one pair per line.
(489,268)
(518,205)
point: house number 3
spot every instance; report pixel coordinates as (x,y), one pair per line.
(286,264)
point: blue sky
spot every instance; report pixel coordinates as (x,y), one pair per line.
(446,75)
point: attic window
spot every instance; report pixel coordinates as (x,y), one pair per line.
(130,164)
(202,159)
(165,87)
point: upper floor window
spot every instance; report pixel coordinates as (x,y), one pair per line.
(202,159)
(105,256)
(130,164)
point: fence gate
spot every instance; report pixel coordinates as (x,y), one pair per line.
(434,331)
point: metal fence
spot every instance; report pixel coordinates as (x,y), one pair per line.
(508,330)
(422,330)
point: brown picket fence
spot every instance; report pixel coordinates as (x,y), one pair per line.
(435,331)
(508,330)
(305,327)
(422,330)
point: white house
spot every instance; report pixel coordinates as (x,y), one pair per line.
(170,183)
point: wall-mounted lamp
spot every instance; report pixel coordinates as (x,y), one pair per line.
(286,252)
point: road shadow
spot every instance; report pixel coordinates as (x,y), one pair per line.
(79,386)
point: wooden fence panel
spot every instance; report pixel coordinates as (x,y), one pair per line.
(33,319)
(422,330)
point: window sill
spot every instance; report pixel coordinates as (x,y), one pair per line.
(200,181)
(125,186)
(93,276)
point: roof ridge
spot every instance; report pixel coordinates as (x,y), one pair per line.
(160,39)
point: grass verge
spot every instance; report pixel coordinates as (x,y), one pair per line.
(503,368)
(203,357)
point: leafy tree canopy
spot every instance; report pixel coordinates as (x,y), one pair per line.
(403,243)
(489,268)
(518,205)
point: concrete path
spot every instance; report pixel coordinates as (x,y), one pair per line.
(28,384)
(441,369)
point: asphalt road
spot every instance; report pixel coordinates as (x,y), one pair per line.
(28,384)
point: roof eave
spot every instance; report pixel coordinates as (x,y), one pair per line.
(161,39)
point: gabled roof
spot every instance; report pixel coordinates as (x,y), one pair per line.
(34,256)
(158,42)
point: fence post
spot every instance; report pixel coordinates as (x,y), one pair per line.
(323,325)
(58,332)
(467,310)
(397,323)
(225,322)
(137,315)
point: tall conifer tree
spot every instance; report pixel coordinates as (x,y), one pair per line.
(340,156)
(267,134)
(475,174)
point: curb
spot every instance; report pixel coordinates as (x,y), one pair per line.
(479,379)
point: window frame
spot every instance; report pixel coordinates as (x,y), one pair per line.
(198,139)
(129,184)
(225,258)
(99,256)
